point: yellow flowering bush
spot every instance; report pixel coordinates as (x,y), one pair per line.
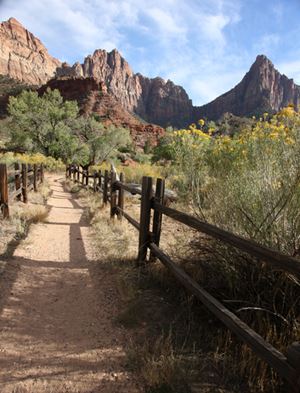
(37,158)
(249,182)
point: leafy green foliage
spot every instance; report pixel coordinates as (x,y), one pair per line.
(51,126)
(164,151)
(43,124)
(99,143)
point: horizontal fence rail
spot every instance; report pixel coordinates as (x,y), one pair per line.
(16,181)
(274,258)
(154,200)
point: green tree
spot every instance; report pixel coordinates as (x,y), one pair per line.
(164,151)
(43,124)
(99,143)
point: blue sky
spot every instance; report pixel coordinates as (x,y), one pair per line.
(204,45)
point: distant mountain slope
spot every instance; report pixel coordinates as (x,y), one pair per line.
(263,89)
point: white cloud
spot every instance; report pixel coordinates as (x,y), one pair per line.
(212,26)
(165,22)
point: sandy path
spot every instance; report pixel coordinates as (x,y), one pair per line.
(58,306)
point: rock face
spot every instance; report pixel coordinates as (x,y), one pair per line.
(23,56)
(263,89)
(155,100)
(92,97)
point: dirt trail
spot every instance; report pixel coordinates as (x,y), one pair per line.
(57,330)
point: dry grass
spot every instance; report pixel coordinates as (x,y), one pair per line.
(21,216)
(267,300)
(163,370)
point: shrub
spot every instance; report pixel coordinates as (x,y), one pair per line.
(249,184)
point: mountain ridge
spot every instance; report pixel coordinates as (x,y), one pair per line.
(262,89)
(154,99)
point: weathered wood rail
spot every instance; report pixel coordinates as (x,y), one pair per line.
(16,181)
(153,207)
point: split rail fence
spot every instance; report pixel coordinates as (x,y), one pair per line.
(16,181)
(154,201)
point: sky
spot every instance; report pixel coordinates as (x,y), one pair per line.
(206,46)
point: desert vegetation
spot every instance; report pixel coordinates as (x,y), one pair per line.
(239,174)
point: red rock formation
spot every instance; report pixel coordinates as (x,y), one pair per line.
(155,100)
(263,89)
(92,97)
(23,56)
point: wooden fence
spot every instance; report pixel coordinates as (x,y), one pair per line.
(16,181)
(150,225)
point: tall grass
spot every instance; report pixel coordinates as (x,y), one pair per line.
(134,172)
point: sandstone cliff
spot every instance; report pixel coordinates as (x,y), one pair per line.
(23,56)
(92,97)
(263,89)
(155,100)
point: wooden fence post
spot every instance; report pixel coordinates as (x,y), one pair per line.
(35,178)
(145,216)
(78,174)
(87,178)
(99,179)
(74,172)
(17,180)
(67,171)
(24,183)
(121,196)
(157,216)
(4,191)
(105,187)
(42,173)
(95,181)
(113,194)
(83,174)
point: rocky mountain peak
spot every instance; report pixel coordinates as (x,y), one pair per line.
(261,59)
(154,99)
(23,56)
(263,89)
(14,21)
